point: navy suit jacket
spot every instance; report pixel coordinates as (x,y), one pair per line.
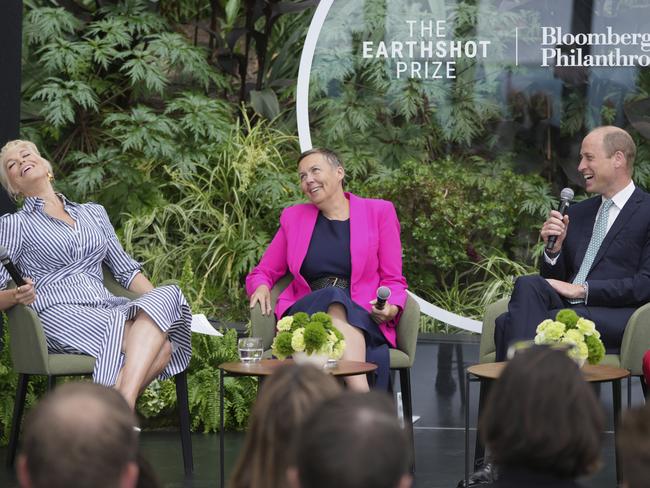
(620,274)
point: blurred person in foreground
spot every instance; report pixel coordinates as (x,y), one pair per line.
(352,441)
(633,444)
(339,248)
(80,435)
(60,247)
(285,399)
(542,423)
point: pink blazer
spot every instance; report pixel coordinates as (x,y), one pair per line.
(375,249)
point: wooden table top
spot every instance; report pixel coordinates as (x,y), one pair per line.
(594,373)
(267,367)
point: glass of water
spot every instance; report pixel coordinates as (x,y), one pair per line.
(250,349)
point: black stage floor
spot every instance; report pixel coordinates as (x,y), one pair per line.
(439,434)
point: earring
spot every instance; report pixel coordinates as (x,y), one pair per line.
(50,176)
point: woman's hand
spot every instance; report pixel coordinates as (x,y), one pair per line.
(262,295)
(388,313)
(25,294)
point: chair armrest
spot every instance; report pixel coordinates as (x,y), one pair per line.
(487,349)
(28,346)
(636,340)
(114,287)
(408,328)
(264,325)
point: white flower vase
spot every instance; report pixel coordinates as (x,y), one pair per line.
(318,360)
(580,361)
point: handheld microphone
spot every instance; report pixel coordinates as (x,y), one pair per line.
(383,293)
(566,195)
(11,269)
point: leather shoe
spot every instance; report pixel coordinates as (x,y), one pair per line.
(484,475)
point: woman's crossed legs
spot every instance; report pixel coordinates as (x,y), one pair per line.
(355,344)
(147,352)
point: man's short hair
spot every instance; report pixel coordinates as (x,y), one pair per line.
(542,415)
(634,447)
(617,139)
(352,441)
(79,435)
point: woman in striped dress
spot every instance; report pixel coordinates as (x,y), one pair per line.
(60,246)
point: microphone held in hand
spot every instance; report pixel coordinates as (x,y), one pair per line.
(11,269)
(566,195)
(383,293)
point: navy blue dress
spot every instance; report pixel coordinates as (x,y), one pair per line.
(329,255)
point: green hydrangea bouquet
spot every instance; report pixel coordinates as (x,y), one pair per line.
(568,328)
(300,333)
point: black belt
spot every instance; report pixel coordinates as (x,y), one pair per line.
(329,281)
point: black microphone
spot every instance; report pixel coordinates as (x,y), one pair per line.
(566,195)
(11,269)
(383,293)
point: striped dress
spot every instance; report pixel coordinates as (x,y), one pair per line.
(79,315)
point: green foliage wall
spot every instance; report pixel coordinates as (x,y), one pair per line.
(178,116)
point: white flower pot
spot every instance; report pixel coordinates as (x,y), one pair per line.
(318,360)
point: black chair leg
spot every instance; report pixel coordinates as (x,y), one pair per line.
(407,405)
(460,365)
(184,415)
(644,386)
(19,406)
(51,383)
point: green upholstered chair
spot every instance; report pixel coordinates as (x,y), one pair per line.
(30,357)
(636,339)
(401,359)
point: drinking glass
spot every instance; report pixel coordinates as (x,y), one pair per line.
(250,349)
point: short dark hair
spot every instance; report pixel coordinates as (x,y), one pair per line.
(328,154)
(634,447)
(284,401)
(352,441)
(79,435)
(542,415)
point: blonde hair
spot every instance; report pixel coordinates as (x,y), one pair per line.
(16,143)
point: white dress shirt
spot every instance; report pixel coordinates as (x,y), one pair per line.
(619,200)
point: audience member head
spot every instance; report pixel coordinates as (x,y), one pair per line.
(147,477)
(543,416)
(352,441)
(79,435)
(634,447)
(285,398)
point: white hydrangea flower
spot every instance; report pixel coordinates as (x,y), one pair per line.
(284,324)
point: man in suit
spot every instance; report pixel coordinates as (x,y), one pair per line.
(600,263)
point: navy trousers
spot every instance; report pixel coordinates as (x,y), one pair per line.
(534,300)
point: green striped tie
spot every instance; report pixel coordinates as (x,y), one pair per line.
(600,230)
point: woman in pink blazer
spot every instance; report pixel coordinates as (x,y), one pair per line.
(339,249)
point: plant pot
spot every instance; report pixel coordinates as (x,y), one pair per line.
(318,360)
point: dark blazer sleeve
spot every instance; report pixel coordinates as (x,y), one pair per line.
(620,275)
